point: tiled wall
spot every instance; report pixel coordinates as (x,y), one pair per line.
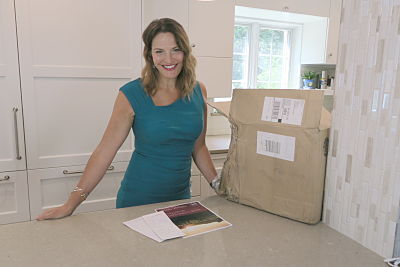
(363,174)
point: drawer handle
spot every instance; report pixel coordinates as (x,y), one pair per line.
(16,133)
(76,172)
(5,178)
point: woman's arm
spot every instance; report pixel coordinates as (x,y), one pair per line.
(114,136)
(201,155)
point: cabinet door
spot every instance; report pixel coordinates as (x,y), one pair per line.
(216,74)
(12,151)
(51,187)
(14,203)
(74,55)
(314,41)
(211,27)
(309,7)
(157,9)
(333,31)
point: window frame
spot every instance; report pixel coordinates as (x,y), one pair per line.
(294,31)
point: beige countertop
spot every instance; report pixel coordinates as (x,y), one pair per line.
(218,143)
(256,238)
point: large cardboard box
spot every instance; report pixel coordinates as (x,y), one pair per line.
(277,156)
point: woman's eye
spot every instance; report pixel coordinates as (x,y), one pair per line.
(177,50)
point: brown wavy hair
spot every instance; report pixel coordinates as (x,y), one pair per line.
(186,79)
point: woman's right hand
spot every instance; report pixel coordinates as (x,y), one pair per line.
(55,213)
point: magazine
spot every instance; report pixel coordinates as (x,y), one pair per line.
(193,218)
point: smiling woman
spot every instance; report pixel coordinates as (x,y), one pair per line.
(166,109)
(166,43)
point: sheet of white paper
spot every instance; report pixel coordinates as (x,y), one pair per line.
(283,110)
(276,145)
(140,226)
(162,226)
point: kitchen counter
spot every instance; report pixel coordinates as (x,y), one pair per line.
(218,143)
(256,238)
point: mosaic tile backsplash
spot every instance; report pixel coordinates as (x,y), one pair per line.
(362,197)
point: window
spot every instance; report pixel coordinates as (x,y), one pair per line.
(261,55)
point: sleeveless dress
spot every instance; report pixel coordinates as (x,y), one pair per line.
(160,166)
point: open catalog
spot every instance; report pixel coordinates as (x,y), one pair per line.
(183,220)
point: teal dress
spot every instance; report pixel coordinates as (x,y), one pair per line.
(159,169)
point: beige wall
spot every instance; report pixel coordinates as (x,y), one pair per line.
(363,174)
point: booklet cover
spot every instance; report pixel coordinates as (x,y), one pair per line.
(193,218)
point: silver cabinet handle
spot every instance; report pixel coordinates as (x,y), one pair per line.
(16,133)
(5,178)
(76,172)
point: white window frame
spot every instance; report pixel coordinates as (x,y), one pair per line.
(295,33)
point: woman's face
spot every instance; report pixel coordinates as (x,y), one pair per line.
(167,56)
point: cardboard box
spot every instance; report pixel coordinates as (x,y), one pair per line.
(277,156)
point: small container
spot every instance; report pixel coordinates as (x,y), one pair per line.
(323,80)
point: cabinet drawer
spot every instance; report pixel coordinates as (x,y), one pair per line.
(51,187)
(14,203)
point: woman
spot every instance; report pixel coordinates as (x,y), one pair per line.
(166,109)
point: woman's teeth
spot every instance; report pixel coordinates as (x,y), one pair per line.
(169,67)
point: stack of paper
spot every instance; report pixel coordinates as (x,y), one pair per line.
(182,220)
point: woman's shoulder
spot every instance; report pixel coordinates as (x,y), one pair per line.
(132,85)
(202,88)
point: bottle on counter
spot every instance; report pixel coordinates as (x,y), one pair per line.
(323,80)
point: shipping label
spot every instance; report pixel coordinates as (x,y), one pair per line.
(276,145)
(283,110)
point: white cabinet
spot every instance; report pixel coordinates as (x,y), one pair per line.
(309,7)
(320,30)
(333,31)
(66,60)
(209,25)
(12,153)
(14,202)
(50,187)
(73,59)
(320,37)
(157,9)
(216,74)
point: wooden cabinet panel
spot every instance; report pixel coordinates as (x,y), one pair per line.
(14,202)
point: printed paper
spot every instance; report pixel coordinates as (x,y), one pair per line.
(193,218)
(276,145)
(283,110)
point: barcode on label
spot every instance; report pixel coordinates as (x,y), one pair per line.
(272,146)
(275,110)
(276,145)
